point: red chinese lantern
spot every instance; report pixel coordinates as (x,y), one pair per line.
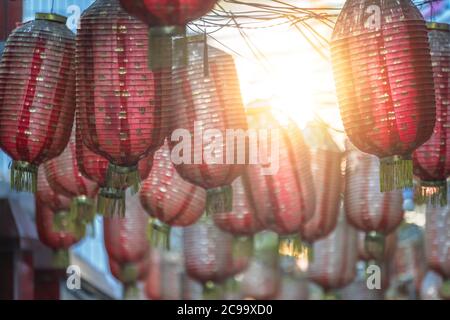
(208,108)
(54,230)
(119,100)
(126,238)
(166,19)
(45,194)
(110,201)
(288,188)
(437,244)
(65,178)
(37,94)
(432,160)
(242,220)
(384,80)
(169,198)
(326,171)
(129,274)
(368,209)
(335,257)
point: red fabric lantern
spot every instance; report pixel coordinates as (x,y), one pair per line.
(65,178)
(432,160)
(210,254)
(129,274)
(384,80)
(326,171)
(110,201)
(207,107)
(119,99)
(288,193)
(36,96)
(169,198)
(45,194)
(335,257)
(126,238)
(367,208)
(54,231)
(242,220)
(437,242)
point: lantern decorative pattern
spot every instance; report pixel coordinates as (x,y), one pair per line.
(241,220)
(37,97)
(205,104)
(326,171)
(289,192)
(65,178)
(169,198)
(384,81)
(119,99)
(45,194)
(126,238)
(54,231)
(335,257)
(165,21)
(368,209)
(110,201)
(129,274)
(437,242)
(432,160)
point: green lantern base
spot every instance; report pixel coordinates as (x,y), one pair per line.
(111,202)
(374,244)
(159,234)
(61,259)
(219,200)
(24,176)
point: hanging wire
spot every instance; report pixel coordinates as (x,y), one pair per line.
(53,6)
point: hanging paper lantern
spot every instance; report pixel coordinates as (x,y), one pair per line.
(367,208)
(110,201)
(119,99)
(129,274)
(126,238)
(36,96)
(431,284)
(326,171)
(432,159)
(165,21)
(384,81)
(284,198)
(242,220)
(208,107)
(54,230)
(335,257)
(45,194)
(209,253)
(65,178)
(437,243)
(169,198)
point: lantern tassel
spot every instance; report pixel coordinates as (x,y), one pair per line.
(111,202)
(219,200)
(117,177)
(432,192)
(24,176)
(374,243)
(290,246)
(82,210)
(159,234)
(61,259)
(395,173)
(131,291)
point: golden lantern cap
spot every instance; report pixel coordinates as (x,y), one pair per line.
(438,26)
(51,17)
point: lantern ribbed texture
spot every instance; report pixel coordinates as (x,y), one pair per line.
(119,99)
(288,193)
(384,80)
(65,178)
(431,284)
(335,257)
(53,231)
(437,240)
(326,171)
(367,208)
(242,220)
(126,238)
(37,97)
(169,198)
(431,161)
(208,252)
(208,102)
(110,201)
(45,194)
(129,274)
